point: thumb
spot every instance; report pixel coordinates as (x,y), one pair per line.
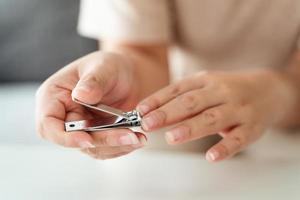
(92,86)
(98,75)
(88,90)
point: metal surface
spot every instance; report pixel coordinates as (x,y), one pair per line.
(103,108)
(119,119)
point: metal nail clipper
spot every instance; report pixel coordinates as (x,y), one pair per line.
(119,119)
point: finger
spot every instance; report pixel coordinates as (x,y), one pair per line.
(185,105)
(78,114)
(209,122)
(106,150)
(54,101)
(50,115)
(168,93)
(111,156)
(53,130)
(109,152)
(95,80)
(234,141)
(142,137)
(113,137)
(116,137)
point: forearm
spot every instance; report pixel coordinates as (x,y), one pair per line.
(289,80)
(150,65)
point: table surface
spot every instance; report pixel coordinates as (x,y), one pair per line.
(34,169)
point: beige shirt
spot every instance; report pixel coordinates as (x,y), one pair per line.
(205,34)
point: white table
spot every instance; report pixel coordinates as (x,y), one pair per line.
(32,170)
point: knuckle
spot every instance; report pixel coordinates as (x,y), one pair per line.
(175,90)
(239,141)
(188,101)
(94,79)
(152,102)
(159,116)
(89,77)
(211,117)
(189,131)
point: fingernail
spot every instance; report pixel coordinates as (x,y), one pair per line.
(129,139)
(177,134)
(143,140)
(81,87)
(212,155)
(86,144)
(148,122)
(84,87)
(143,109)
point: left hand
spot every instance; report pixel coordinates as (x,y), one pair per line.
(239,106)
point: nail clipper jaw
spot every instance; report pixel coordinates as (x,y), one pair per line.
(123,120)
(134,118)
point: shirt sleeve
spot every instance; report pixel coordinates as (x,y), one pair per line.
(140,21)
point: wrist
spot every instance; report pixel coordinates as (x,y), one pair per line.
(282,95)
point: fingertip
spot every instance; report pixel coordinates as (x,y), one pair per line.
(128,139)
(212,155)
(177,135)
(118,137)
(87,93)
(79,140)
(142,138)
(143,109)
(154,120)
(80,90)
(170,138)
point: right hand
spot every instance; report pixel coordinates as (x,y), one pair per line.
(98,77)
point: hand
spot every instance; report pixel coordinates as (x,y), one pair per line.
(237,106)
(98,77)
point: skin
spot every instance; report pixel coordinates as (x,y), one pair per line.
(224,103)
(111,77)
(239,106)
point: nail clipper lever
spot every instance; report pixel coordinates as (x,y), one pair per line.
(119,119)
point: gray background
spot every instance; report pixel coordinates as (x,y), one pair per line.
(37,37)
